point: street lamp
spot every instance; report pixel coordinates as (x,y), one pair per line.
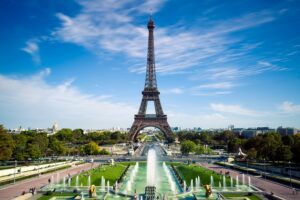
(290,175)
(15,172)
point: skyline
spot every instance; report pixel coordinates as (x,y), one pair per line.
(82,63)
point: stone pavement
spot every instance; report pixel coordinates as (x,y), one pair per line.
(264,185)
(11,191)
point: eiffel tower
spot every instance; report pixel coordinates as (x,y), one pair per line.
(150,93)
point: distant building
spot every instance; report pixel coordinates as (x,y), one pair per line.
(237,131)
(231,127)
(197,129)
(252,132)
(287,131)
(266,130)
(176,129)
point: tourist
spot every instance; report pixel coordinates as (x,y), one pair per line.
(49,180)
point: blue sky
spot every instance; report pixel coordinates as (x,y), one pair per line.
(81,63)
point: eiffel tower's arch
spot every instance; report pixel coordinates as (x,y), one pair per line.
(150,93)
(147,123)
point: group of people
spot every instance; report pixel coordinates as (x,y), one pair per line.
(225,173)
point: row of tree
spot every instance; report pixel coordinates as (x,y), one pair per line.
(33,145)
(269,146)
(189,146)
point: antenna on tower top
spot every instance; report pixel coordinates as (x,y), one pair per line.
(150,17)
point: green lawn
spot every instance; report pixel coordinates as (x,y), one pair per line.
(231,196)
(188,172)
(57,194)
(111,173)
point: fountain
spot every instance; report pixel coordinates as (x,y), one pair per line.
(116,186)
(243,179)
(199,182)
(249,181)
(191,186)
(102,184)
(220,185)
(89,181)
(231,182)
(77,182)
(150,189)
(132,177)
(69,181)
(169,175)
(151,167)
(184,186)
(57,178)
(224,183)
(107,186)
(64,183)
(212,181)
(237,182)
(51,181)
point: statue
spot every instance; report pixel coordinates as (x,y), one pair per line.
(92,191)
(208,191)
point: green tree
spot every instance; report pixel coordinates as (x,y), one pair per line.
(200,149)
(6,144)
(296,148)
(20,147)
(33,151)
(187,147)
(104,152)
(115,135)
(268,147)
(42,141)
(234,145)
(251,153)
(77,134)
(284,153)
(91,148)
(56,146)
(65,134)
(206,137)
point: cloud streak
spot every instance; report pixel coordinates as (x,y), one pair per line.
(233,109)
(32,48)
(113,27)
(32,101)
(289,107)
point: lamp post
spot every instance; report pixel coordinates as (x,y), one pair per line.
(265,168)
(247,167)
(15,172)
(290,175)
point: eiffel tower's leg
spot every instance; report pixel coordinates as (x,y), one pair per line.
(134,131)
(143,107)
(158,108)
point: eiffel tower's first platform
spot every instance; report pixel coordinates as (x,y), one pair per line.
(150,93)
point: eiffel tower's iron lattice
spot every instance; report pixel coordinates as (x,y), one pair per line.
(150,93)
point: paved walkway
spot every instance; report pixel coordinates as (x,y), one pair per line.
(12,191)
(265,185)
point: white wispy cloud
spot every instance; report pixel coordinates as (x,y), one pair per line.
(231,73)
(209,93)
(172,91)
(112,26)
(32,48)
(31,101)
(289,107)
(233,109)
(220,85)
